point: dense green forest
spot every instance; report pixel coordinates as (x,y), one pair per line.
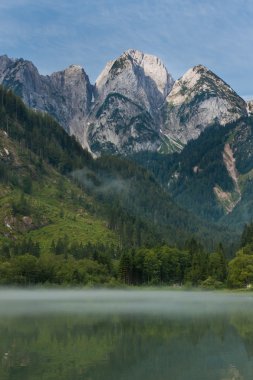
(194,189)
(66,218)
(95,264)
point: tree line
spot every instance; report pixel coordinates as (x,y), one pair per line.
(76,263)
(21,262)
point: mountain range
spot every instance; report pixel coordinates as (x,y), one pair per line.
(194,136)
(135,104)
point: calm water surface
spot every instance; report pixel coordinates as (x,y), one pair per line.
(114,335)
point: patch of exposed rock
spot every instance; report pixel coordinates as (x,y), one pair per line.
(197,100)
(66,95)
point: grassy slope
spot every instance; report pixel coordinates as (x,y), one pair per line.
(67,217)
(58,206)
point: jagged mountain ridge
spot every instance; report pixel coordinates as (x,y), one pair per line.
(133,106)
(197,100)
(66,95)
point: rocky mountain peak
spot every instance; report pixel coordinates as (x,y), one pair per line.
(154,69)
(141,77)
(66,94)
(197,100)
(4,62)
(199,79)
(73,76)
(128,95)
(75,68)
(22,77)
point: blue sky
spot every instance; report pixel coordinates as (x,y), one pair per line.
(183,33)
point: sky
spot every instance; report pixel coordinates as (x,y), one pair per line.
(56,33)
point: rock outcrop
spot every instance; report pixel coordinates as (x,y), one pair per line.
(250,107)
(66,95)
(128,95)
(197,100)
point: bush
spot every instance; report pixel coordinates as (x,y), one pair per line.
(212,283)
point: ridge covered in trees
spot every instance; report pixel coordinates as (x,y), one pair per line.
(191,176)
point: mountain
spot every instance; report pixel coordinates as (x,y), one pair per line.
(197,100)
(141,77)
(66,95)
(135,105)
(124,116)
(41,162)
(128,95)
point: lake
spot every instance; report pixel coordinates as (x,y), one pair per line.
(123,335)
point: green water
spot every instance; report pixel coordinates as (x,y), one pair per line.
(107,335)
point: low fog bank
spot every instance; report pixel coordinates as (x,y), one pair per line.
(153,302)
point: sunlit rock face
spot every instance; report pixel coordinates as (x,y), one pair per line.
(128,95)
(143,78)
(121,126)
(250,107)
(66,95)
(197,100)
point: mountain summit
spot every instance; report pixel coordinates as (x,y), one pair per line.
(141,77)
(128,93)
(66,95)
(197,100)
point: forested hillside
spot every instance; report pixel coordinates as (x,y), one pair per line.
(191,176)
(65,217)
(212,176)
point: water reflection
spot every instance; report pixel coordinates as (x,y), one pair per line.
(125,335)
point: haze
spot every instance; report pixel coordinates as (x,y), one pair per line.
(153,302)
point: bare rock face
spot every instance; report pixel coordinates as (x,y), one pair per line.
(75,98)
(197,100)
(143,78)
(66,95)
(250,107)
(128,95)
(121,126)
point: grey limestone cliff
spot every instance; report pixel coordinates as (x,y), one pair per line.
(128,95)
(66,95)
(197,100)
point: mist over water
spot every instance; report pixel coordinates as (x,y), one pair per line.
(125,334)
(163,302)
